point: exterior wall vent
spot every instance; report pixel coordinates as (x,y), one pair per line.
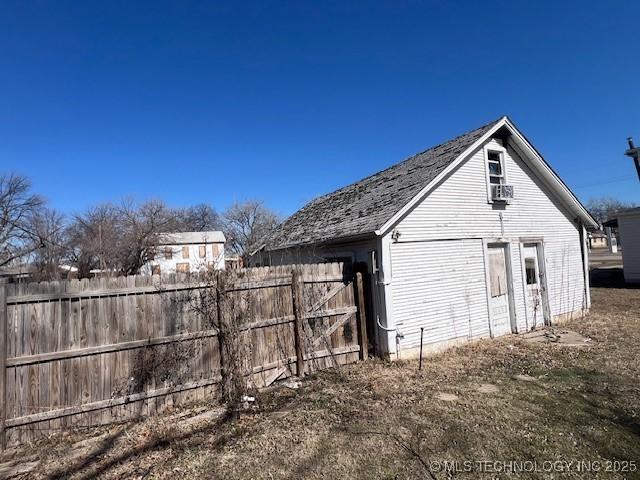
(502,193)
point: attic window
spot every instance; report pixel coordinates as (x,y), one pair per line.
(496,168)
(496,172)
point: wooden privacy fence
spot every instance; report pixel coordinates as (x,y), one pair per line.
(85,353)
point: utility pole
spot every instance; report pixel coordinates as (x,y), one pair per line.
(634,152)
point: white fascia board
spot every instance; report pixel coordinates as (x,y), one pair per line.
(537,162)
(393,220)
(551,177)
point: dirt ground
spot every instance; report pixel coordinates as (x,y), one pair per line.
(492,407)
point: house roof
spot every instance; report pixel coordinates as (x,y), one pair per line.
(629,212)
(364,206)
(373,204)
(184,238)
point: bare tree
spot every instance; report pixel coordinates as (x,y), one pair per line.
(198,218)
(49,245)
(94,239)
(141,229)
(246,226)
(602,209)
(119,239)
(18,206)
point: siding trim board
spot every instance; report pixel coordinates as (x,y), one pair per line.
(386,274)
(528,152)
(553,177)
(485,259)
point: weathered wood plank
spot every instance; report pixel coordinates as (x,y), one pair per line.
(112,402)
(298,312)
(113,292)
(89,341)
(3,363)
(363,339)
(337,324)
(109,348)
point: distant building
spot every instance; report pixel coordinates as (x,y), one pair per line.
(598,239)
(628,224)
(233,262)
(22,272)
(186,252)
(29,272)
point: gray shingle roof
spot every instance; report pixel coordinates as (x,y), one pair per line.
(183,238)
(364,206)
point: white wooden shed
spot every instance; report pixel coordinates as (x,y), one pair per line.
(629,230)
(475,237)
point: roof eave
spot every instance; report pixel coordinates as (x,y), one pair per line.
(328,241)
(552,178)
(549,175)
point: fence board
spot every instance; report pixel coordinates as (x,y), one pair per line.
(90,352)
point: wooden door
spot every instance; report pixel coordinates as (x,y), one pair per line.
(499,286)
(533,290)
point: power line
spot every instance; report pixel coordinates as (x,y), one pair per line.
(606,182)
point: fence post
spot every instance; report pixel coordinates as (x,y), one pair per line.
(361,316)
(220,291)
(3,363)
(298,313)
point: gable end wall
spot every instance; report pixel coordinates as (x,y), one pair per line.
(437,278)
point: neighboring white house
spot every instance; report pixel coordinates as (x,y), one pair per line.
(186,252)
(473,238)
(598,239)
(628,222)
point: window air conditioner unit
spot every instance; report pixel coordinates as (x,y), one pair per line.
(502,193)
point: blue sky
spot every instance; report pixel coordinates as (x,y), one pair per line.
(282,101)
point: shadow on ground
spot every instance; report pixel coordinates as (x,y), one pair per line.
(609,278)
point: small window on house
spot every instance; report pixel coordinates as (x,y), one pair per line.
(202,250)
(182,267)
(168,253)
(496,168)
(215,250)
(185,252)
(155,270)
(530,270)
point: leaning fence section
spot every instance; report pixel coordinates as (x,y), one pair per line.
(83,353)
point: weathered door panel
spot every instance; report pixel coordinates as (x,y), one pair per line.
(533,290)
(499,287)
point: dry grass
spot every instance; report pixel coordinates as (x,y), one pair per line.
(381,420)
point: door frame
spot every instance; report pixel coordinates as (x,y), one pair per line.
(497,242)
(542,278)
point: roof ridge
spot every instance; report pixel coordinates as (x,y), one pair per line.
(364,205)
(451,140)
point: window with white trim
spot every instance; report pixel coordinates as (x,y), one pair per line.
(495,166)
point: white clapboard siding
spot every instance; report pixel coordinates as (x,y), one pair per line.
(458,209)
(439,285)
(629,225)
